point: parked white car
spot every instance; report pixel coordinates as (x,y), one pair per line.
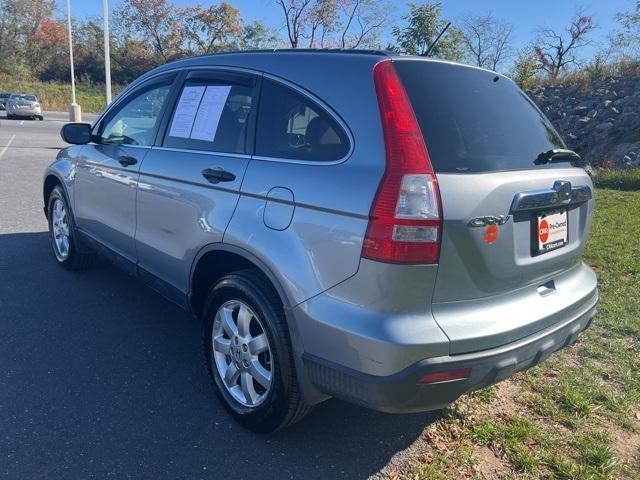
(21,105)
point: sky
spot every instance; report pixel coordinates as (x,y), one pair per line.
(526,16)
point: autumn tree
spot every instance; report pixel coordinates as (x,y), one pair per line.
(557,50)
(362,22)
(423,25)
(20,22)
(154,21)
(211,29)
(296,16)
(487,40)
(334,23)
(321,20)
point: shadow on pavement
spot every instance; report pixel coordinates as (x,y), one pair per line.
(102,378)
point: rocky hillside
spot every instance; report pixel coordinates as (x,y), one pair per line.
(598,119)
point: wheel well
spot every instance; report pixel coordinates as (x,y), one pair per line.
(49,184)
(214,265)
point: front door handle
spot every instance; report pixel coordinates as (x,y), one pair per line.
(126,161)
(215,175)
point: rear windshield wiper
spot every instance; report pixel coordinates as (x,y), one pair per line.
(558,155)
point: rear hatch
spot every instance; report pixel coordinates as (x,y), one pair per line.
(514,223)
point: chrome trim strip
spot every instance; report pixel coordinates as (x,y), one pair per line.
(557,196)
(203,152)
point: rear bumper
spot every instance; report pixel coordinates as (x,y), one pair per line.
(401,392)
(23,112)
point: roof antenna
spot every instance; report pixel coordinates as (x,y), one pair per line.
(436,40)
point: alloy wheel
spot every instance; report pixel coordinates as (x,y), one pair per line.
(242,354)
(60,230)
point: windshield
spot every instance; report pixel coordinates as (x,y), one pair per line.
(5,95)
(26,98)
(474,120)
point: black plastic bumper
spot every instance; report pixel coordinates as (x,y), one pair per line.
(402,392)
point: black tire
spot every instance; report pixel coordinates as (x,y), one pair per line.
(40,117)
(9,117)
(79,257)
(283,404)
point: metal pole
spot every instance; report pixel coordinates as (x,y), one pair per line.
(107,56)
(73,79)
(75,113)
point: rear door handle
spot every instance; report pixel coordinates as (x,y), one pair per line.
(216,175)
(126,161)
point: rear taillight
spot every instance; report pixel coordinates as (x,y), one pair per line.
(405,220)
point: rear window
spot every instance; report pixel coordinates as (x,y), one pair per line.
(475,121)
(26,98)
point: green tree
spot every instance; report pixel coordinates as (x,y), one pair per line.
(423,25)
(257,35)
(630,36)
(525,68)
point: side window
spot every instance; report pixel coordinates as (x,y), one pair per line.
(135,122)
(211,115)
(294,127)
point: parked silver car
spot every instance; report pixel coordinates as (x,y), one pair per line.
(393,231)
(23,105)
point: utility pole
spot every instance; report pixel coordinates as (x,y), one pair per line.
(107,55)
(75,113)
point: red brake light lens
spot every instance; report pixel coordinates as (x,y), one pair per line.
(405,220)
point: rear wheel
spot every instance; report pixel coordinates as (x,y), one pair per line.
(40,117)
(249,354)
(67,248)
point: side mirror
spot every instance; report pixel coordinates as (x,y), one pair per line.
(76,133)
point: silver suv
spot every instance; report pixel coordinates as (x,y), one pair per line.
(393,231)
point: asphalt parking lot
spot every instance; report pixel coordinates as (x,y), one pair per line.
(102,378)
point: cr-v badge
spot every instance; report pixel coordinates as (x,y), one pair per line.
(489,220)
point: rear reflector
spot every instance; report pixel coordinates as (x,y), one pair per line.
(405,220)
(437,377)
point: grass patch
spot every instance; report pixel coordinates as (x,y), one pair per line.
(57,96)
(515,436)
(618,179)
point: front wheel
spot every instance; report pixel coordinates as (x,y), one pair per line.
(68,250)
(249,353)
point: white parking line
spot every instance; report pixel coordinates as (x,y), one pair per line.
(7,146)
(22,122)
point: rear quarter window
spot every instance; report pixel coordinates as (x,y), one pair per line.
(292,126)
(473,120)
